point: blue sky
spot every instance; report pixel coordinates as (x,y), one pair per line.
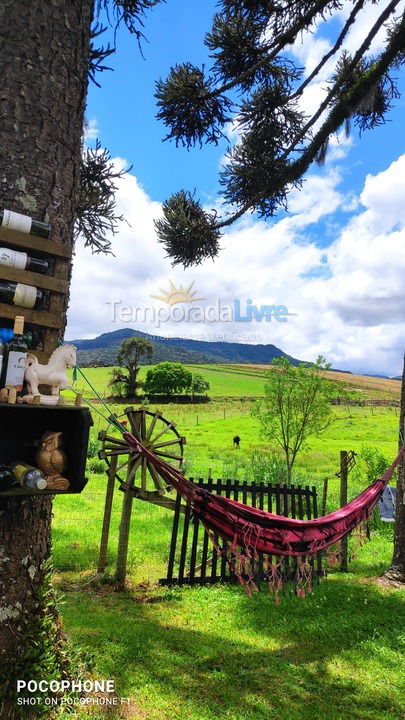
(336,259)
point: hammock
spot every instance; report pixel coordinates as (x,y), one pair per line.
(250,530)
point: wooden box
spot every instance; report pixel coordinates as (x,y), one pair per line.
(21,429)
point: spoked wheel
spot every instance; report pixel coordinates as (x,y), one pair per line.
(158,435)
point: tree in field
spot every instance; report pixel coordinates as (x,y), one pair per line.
(47,52)
(128,357)
(199,385)
(255,82)
(296,406)
(167,378)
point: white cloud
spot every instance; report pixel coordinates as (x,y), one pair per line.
(348,296)
(91,130)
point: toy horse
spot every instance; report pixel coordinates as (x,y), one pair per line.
(54,373)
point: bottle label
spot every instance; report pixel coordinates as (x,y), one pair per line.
(25,296)
(16,362)
(16,221)
(12,258)
(19,472)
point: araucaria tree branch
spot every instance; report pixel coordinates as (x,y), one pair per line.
(256,83)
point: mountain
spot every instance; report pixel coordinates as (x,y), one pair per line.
(102,350)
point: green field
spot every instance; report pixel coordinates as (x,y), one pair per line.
(223,382)
(235,381)
(213,652)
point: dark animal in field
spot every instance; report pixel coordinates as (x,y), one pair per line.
(236,441)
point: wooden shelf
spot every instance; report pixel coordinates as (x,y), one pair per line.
(45,282)
(35,317)
(33,242)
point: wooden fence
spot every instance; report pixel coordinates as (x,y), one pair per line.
(193,558)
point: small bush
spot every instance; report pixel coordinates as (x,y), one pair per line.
(96,466)
(93,448)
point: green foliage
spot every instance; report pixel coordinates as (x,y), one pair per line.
(296,405)
(130,352)
(186,231)
(199,385)
(376,462)
(256,81)
(96,466)
(167,379)
(96,216)
(183,103)
(93,447)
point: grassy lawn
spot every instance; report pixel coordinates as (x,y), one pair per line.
(213,652)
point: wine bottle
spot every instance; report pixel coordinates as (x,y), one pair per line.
(7,480)
(1,354)
(26,296)
(14,358)
(16,259)
(24,224)
(27,476)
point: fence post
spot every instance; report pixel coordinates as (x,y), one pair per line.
(343,501)
(107,514)
(324,496)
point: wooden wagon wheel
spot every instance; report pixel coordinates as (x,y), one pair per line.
(158,435)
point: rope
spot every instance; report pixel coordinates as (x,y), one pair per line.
(111,417)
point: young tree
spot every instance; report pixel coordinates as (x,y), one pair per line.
(296,406)
(167,378)
(129,356)
(199,385)
(256,83)
(46,54)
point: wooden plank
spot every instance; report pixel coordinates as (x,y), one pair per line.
(102,560)
(224,562)
(46,282)
(261,506)
(308,502)
(300,504)
(214,563)
(343,502)
(35,317)
(194,544)
(183,551)
(205,540)
(277,491)
(173,542)
(293,495)
(33,242)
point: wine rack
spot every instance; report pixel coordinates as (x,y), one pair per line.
(56,286)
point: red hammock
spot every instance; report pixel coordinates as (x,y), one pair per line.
(250,530)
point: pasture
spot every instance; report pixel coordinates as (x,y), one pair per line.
(214,652)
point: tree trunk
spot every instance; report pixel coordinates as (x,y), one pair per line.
(44,60)
(398,562)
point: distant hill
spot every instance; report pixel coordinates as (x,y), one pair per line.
(102,350)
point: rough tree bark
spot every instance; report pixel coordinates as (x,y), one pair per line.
(397,571)
(44,57)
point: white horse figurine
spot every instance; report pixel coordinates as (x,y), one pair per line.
(54,373)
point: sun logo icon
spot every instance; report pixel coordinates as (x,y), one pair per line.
(174,295)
